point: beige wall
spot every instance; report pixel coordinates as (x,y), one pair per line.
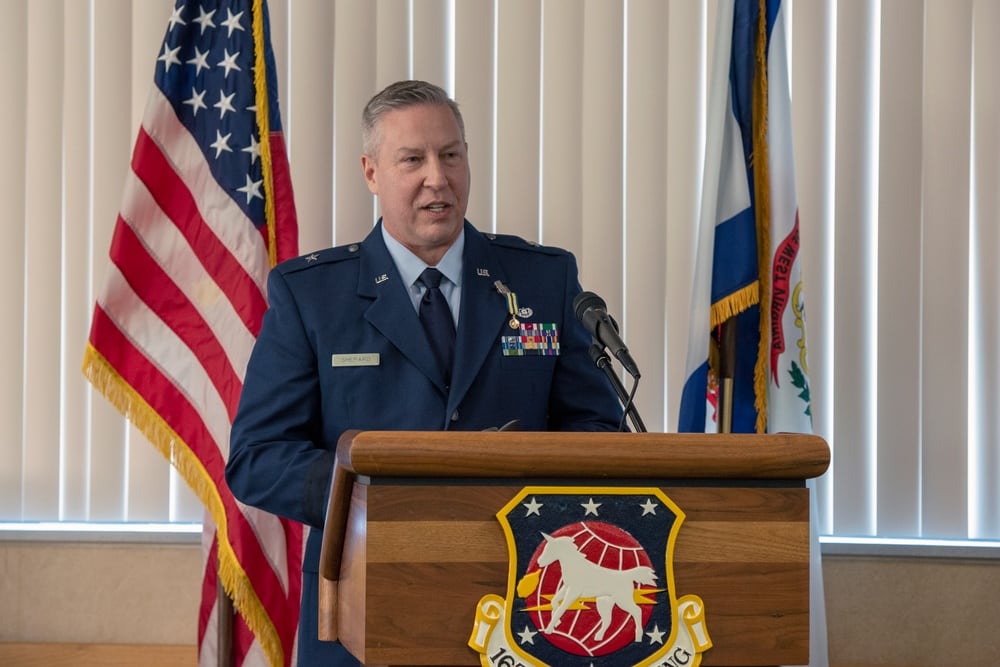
(100,593)
(915,612)
(918,612)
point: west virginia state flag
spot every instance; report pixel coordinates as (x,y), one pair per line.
(748,268)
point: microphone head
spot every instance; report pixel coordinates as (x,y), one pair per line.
(585,301)
(592,312)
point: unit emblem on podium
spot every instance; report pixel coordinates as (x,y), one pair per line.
(590,583)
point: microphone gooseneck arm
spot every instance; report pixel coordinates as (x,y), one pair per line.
(603,361)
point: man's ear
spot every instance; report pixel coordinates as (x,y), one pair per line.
(368,168)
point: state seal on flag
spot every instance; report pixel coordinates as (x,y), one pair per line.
(590,583)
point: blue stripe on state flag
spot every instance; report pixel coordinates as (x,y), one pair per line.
(735,258)
(735,263)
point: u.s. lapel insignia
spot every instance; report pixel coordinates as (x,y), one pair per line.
(590,583)
(381,279)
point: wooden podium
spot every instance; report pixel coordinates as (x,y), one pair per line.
(412,541)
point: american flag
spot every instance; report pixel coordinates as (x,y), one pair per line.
(207,211)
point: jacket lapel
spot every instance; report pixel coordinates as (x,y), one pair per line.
(391,311)
(483,313)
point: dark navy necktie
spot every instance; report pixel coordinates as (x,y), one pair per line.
(435,315)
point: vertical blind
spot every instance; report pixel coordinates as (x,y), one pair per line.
(586,127)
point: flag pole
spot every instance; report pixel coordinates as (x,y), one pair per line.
(224,609)
(727,374)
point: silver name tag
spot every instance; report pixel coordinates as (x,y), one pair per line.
(357,359)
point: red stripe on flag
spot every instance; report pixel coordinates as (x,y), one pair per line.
(158,290)
(286,223)
(209,588)
(243,639)
(157,390)
(178,203)
(173,406)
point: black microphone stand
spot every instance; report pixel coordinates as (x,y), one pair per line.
(603,362)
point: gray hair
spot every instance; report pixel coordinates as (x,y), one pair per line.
(401,95)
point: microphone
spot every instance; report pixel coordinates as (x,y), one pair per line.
(592,312)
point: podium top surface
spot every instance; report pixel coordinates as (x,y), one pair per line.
(525,454)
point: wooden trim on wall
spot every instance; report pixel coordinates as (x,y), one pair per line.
(97,655)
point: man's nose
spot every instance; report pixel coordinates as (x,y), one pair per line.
(434,172)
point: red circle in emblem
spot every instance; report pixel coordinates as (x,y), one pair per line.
(599,561)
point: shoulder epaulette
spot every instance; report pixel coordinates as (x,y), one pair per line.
(320,257)
(518,243)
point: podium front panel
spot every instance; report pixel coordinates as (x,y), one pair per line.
(419,555)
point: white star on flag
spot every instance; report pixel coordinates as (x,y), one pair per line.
(251,189)
(224,104)
(232,22)
(221,144)
(253,149)
(169,57)
(205,20)
(196,101)
(228,61)
(200,61)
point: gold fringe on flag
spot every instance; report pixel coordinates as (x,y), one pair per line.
(735,303)
(264,128)
(722,310)
(133,407)
(762,192)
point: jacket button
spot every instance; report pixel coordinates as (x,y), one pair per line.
(454,416)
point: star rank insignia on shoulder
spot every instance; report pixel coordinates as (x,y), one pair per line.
(319,257)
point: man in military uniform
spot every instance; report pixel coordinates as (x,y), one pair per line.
(365,337)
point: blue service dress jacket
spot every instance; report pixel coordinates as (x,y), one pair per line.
(341,347)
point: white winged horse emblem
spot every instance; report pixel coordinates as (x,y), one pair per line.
(583,579)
